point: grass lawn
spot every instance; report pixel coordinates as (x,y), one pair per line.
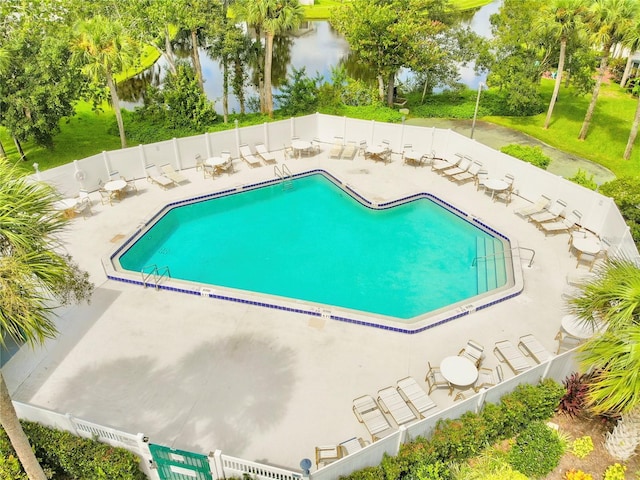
(608,134)
(321,9)
(86,134)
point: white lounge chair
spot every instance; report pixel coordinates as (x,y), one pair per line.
(155,176)
(536,207)
(462,167)
(508,353)
(170,172)
(549,214)
(470,174)
(266,156)
(392,403)
(567,224)
(326,454)
(415,395)
(349,151)
(336,148)
(247,156)
(531,347)
(369,414)
(443,163)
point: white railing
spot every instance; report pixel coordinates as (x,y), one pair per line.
(225,466)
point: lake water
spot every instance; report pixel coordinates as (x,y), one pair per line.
(316,46)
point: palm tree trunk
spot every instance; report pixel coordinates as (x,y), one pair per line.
(633,132)
(19,441)
(622,442)
(594,96)
(238,80)
(268,59)
(627,71)
(225,88)
(115,103)
(380,87)
(195,55)
(556,87)
(3,153)
(168,51)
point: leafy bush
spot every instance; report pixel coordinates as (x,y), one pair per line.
(615,472)
(573,401)
(537,450)
(369,473)
(533,155)
(63,455)
(581,178)
(298,94)
(583,446)
(492,464)
(625,191)
(577,475)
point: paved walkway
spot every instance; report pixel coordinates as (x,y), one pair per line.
(496,136)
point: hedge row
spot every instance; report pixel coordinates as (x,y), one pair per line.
(465,437)
(66,456)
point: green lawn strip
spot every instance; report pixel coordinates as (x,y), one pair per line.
(83,135)
(321,9)
(608,134)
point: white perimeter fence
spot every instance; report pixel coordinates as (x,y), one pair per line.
(599,213)
(224,466)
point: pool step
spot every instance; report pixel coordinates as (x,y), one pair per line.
(490,266)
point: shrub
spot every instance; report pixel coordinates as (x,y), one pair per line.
(433,471)
(581,178)
(532,155)
(615,472)
(577,475)
(491,464)
(298,94)
(369,473)
(69,456)
(573,401)
(582,446)
(537,450)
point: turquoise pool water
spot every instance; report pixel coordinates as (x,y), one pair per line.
(314,242)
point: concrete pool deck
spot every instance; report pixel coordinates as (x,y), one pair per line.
(265,385)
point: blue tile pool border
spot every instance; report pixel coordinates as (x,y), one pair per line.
(316,311)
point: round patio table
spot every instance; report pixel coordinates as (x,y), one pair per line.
(495,185)
(578,328)
(215,161)
(459,371)
(300,146)
(589,244)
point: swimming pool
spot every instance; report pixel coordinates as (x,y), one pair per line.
(325,245)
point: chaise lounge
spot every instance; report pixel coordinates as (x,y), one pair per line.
(392,403)
(369,414)
(507,352)
(415,395)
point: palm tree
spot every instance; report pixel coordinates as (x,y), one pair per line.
(273,17)
(609,22)
(614,357)
(632,42)
(567,21)
(105,49)
(33,277)
(633,133)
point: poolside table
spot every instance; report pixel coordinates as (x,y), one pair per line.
(116,186)
(578,328)
(413,158)
(459,371)
(495,185)
(586,244)
(300,146)
(67,206)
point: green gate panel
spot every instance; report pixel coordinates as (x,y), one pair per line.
(179,464)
